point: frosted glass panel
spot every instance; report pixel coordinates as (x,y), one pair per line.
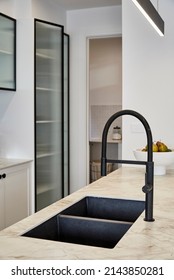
(48,104)
(66,114)
(7,53)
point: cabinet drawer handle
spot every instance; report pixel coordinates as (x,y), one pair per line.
(2,176)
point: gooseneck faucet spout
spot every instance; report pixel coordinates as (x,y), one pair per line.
(148,187)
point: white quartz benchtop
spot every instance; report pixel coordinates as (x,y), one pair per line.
(144,240)
(7,162)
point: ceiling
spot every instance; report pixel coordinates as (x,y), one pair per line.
(85,4)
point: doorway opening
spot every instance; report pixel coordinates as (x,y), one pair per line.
(104,89)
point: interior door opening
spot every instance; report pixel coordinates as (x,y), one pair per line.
(104,99)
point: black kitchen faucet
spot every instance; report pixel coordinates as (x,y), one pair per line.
(149,175)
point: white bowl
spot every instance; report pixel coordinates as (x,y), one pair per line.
(161,160)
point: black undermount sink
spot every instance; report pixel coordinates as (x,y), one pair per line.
(93,221)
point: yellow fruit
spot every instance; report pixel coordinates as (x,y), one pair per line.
(155,147)
(162,147)
(158,147)
(144,149)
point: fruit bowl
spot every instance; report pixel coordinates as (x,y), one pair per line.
(161,160)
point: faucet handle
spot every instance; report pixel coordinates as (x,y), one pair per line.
(147,188)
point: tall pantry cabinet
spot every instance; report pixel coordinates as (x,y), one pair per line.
(51,113)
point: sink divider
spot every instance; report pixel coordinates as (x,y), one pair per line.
(91,231)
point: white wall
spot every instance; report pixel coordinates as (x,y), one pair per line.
(105,71)
(17,108)
(82,24)
(7,7)
(49,10)
(148,71)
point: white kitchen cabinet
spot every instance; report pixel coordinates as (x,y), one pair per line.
(14,194)
(2,215)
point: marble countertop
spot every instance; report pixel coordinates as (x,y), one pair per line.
(7,162)
(144,240)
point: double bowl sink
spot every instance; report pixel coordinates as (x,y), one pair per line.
(92,221)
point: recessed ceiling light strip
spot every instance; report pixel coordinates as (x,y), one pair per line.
(151,14)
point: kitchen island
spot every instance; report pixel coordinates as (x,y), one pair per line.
(144,240)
